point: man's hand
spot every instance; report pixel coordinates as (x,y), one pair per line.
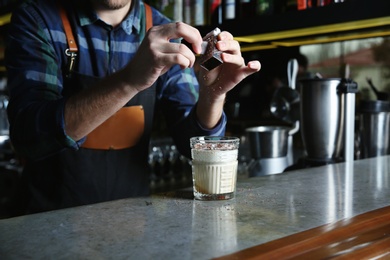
(158,53)
(216,83)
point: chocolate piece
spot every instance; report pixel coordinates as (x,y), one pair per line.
(211,56)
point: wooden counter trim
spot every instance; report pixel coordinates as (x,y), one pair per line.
(365,236)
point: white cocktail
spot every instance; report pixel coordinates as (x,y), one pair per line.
(214,167)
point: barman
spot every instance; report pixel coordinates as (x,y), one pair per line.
(81,121)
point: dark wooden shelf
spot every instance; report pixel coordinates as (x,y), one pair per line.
(348,20)
(303,27)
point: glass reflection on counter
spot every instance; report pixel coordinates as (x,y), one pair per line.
(340,191)
(348,192)
(379,176)
(219,225)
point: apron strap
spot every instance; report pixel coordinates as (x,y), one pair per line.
(72,45)
(149,17)
(72,50)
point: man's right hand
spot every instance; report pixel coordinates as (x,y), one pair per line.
(157,53)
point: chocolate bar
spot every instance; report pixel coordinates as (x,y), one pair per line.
(210,57)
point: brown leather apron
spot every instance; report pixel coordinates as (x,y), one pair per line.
(117,132)
(112,163)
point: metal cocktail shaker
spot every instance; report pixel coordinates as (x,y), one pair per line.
(326,112)
(374,128)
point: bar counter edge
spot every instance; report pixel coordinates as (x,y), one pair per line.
(173,225)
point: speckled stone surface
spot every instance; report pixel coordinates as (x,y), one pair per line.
(174,226)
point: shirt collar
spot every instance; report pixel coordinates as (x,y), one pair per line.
(132,20)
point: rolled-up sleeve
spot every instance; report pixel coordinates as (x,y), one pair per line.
(178,94)
(36,107)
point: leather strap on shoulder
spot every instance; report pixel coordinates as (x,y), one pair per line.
(149,17)
(68,31)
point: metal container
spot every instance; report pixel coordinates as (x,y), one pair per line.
(268,141)
(4,125)
(374,129)
(324,117)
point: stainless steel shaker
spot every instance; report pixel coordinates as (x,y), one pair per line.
(4,125)
(374,128)
(326,112)
(268,141)
(269,149)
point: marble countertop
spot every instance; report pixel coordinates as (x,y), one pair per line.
(174,226)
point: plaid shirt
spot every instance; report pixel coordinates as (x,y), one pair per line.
(35,59)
